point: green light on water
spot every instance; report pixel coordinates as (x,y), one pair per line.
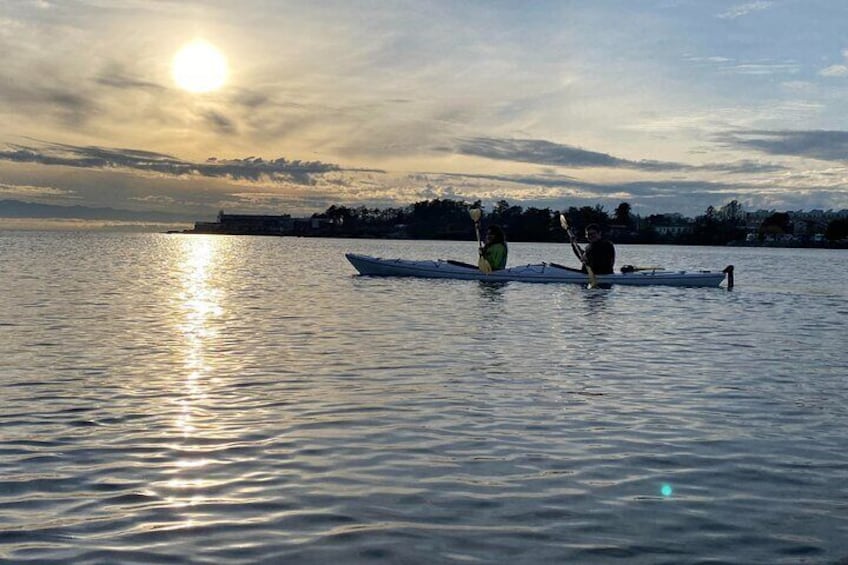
(665,490)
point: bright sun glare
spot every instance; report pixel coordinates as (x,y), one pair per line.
(199,67)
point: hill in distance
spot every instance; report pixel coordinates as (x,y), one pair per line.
(20,209)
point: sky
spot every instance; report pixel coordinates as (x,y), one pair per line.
(669,105)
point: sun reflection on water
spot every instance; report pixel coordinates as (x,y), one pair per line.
(199,305)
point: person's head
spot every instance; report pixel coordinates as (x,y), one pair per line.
(593,232)
(495,234)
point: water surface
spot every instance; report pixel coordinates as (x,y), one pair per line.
(203,399)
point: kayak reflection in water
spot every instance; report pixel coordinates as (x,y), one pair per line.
(495,250)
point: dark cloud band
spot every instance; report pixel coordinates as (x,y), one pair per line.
(554,154)
(251,168)
(816,144)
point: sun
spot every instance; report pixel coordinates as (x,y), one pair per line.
(199,67)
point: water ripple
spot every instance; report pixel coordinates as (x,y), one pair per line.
(240,400)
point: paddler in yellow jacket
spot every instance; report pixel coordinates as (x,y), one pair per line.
(495,250)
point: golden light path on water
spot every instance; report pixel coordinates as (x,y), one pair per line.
(198,304)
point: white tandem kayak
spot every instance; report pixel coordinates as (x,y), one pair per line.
(540,273)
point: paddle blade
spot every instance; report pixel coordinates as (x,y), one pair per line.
(563,221)
(593,280)
(484,266)
(475,213)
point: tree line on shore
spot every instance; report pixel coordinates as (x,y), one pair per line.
(449,219)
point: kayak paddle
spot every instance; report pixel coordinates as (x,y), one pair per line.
(482,264)
(593,280)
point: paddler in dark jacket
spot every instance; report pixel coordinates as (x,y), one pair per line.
(600,253)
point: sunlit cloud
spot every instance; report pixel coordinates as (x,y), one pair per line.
(28,191)
(763,69)
(745,9)
(154,199)
(834,71)
(837,70)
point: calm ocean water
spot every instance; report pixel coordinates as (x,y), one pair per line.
(201,399)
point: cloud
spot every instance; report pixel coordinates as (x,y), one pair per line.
(23,190)
(220,123)
(652,188)
(547,153)
(834,71)
(745,166)
(115,77)
(250,99)
(690,196)
(251,168)
(760,69)
(744,9)
(816,144)
(67,104)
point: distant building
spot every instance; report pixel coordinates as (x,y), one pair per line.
(312,226)
(673,230)
(247,224)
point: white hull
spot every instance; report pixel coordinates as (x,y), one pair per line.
(541,273)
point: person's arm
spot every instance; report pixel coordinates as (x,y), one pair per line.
(577,251)
(612,258)
(590,259)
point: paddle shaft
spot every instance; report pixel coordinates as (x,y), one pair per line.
(593,280)
(482,263)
